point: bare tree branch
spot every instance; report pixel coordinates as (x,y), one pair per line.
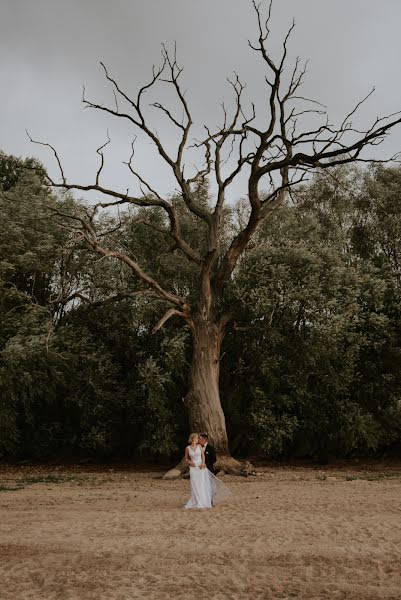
(122,295)
(277,151)
(99,151)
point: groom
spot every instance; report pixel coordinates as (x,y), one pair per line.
(210,452)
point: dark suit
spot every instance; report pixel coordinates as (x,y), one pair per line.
(210,457)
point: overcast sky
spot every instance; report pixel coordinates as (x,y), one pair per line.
(49,49)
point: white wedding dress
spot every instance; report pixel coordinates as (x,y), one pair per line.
(206,489)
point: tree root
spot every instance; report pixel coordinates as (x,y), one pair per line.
(225,465)
(178,471)
(231,466)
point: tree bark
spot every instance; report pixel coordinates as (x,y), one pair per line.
(203,398)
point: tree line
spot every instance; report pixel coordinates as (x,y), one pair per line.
(193,275)
(310,361)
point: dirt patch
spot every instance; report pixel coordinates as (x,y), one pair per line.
(291,532)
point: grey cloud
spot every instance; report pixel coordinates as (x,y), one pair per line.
(49,48)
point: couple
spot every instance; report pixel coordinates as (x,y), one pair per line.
(206,489)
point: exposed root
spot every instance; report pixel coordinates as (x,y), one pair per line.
(177,471)
(231,466)
(225,464)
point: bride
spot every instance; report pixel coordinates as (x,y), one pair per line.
(206,489)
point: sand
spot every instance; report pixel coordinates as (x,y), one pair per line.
(290,532)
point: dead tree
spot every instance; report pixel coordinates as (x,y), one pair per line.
(277,155)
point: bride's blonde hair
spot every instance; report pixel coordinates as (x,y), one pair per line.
(192,436)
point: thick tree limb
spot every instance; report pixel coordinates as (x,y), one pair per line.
(170,313)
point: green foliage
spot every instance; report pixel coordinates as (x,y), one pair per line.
(70,381)
(321,345)
(13,169)
(310,365)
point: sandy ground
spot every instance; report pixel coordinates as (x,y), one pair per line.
(291,532)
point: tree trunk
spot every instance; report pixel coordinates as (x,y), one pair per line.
(203,398)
